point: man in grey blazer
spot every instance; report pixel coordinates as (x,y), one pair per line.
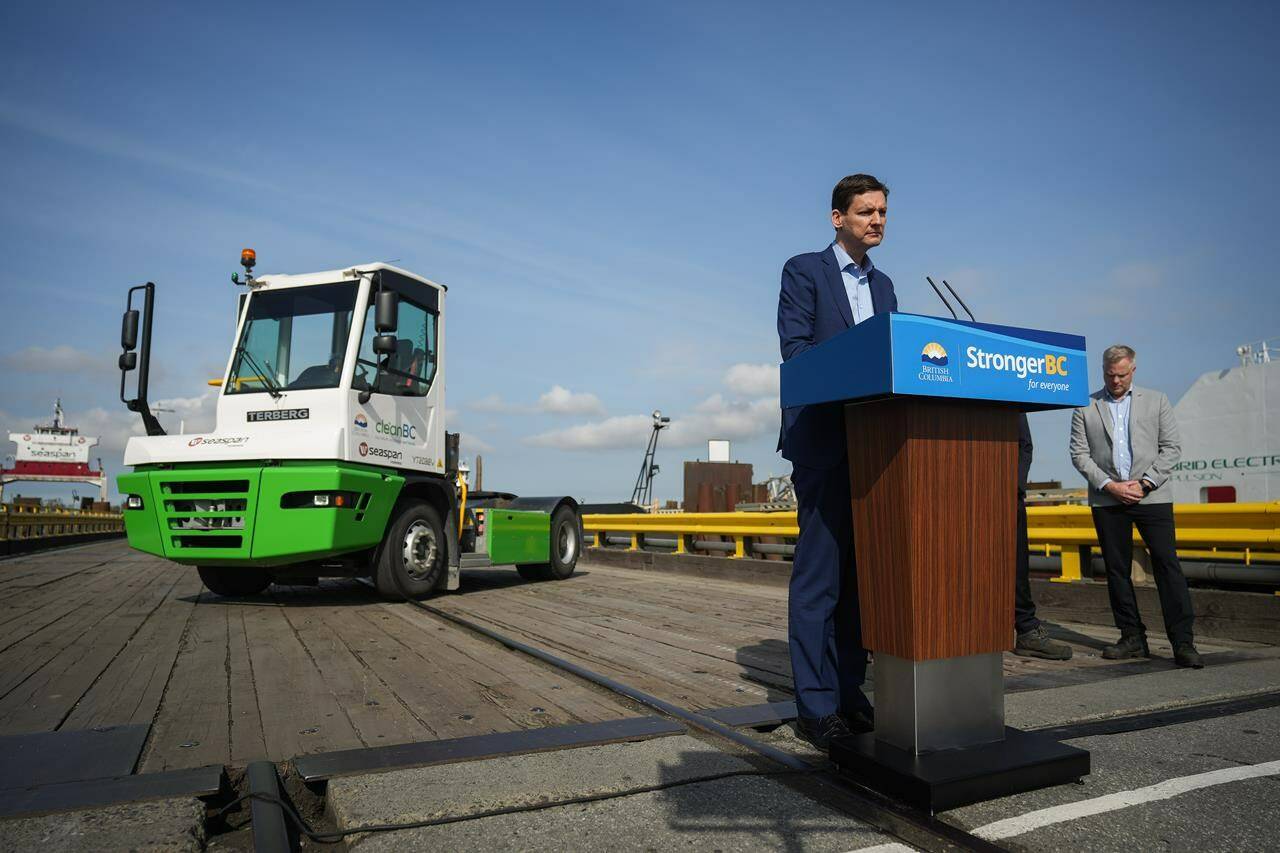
(1125,443)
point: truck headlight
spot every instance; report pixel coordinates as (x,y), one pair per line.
(133,502)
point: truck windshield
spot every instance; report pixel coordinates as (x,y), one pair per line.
(293,339)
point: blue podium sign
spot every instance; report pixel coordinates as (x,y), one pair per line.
(913,355)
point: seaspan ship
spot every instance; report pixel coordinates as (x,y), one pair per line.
(53,453)
(1229,422)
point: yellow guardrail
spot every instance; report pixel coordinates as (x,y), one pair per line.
(17,522)
(1249,532)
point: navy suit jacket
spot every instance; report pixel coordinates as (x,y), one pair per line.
(812,307)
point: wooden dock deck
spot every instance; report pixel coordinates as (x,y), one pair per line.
(99,635)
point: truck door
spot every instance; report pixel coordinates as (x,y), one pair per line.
(400,426)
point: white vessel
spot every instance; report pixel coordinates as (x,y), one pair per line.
(1229,421)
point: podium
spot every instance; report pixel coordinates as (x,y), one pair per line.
(931,410)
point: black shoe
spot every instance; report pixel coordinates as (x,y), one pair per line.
(1130,646)
(1185,654)
(858,722)
(1036,644)
(822,731)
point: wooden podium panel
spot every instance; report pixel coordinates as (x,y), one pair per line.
(934,486)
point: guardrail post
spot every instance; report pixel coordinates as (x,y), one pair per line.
(635,542)
(680,543)
(600,539)
(739,547)
(1073,561)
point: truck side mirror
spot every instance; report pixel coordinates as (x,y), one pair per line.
(386,314)
(129,330)
(128,360)
(384,344)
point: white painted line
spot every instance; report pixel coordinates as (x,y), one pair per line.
(1098,805)
(891,847)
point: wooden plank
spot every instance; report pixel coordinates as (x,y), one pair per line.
(24,658)
(314,768)
(131,687)
(668,677)
(246,741)
(44,758)
(527,693)
(327,632)
(46,699)
(191,726)
(748,716)
(71,796)
(300,714)
(665,650)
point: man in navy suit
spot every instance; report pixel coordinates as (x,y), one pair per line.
(823,294)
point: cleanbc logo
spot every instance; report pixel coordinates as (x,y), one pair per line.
(362,421)
(1021,365)
(396,431)
(933,364)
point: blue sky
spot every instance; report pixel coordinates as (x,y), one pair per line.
(610,191)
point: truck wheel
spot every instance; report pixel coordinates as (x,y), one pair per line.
(413,557)
(234,582)
(566,544)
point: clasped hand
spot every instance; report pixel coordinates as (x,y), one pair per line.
(1129,491)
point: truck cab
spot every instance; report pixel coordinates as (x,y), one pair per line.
(330,424)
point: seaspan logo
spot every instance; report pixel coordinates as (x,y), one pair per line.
(362,421)
(380,452)
(219,440)
(364,448)
(933,353)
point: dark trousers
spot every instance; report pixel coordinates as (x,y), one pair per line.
(828,662)
(1024,609)
(1115,536)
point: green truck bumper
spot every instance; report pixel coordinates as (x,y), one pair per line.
(236,514)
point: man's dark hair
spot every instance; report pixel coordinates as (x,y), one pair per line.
(842,195)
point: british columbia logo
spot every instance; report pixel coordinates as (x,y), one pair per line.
(933,353)
(362,421)
(933,364)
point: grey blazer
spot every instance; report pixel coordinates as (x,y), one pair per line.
(1153,438)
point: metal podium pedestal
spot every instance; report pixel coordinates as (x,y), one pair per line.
(948,778)
(940,739)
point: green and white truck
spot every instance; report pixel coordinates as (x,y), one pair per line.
(329,457)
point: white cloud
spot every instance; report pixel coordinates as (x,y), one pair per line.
(471,444)
(492,403)
(59,359)
(623,431)
(714,417)
(558,401)
(562,401)
(752,380)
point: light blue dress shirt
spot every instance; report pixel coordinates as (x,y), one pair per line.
(857,284)
(1121,443)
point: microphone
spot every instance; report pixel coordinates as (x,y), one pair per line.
(961,301)
(943,298)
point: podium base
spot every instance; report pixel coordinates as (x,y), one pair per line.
(947,778)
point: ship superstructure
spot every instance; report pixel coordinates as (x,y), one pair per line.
(53,453)
(1229,422)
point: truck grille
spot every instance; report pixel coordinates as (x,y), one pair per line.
(207,512)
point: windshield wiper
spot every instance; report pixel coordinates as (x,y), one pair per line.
(273,388)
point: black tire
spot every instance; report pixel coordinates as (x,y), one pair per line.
(414,556)
(533,571)
(566,545)
(234,581)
